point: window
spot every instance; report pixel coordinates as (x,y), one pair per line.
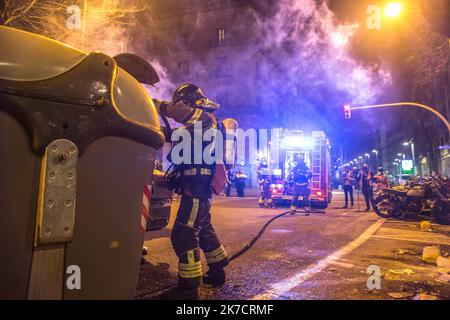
(183,67)
(221,36)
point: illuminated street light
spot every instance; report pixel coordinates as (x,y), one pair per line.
(393,9)
(375,151)
(367,155)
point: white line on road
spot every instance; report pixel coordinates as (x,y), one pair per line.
(284,286)
(443,241)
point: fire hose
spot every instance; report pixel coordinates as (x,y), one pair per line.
(235,255)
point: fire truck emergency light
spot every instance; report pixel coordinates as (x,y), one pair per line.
(296,142)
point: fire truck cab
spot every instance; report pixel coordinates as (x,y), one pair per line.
(316,152)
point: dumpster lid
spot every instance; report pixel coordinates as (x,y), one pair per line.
(21,50)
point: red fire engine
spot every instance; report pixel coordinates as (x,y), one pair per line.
(316,151)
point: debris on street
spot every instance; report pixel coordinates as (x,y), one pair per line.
(430,254)
(401,295)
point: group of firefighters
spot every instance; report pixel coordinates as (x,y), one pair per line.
(300,174)
(193,230)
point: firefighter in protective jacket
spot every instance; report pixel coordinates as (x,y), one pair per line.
(192,229)
(263,176)
(301,175)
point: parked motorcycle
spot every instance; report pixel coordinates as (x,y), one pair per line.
(428,197)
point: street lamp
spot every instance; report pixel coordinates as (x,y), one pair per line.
(376,156)
(393,9)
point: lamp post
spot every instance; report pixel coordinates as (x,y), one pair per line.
(376,156)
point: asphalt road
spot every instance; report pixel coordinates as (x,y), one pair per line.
(321,256)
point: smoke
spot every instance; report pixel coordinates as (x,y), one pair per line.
(296,66)
(308,62)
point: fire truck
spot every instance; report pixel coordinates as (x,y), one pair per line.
(316,152)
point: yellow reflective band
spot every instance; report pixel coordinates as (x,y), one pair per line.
(205,171)
(196,116)
(189,267)
(190,274)
(214,253)
(190,172)
(191,256)
(194,211)
(218,258)
(260,200)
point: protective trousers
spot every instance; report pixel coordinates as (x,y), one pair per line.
(191,232)
(300,191)
(265,197)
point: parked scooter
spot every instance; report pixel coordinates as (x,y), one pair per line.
(428,197)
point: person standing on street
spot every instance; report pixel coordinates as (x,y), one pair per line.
(301,175)
(263,176)
(239,180)
(365,180)
(381,181)
(229,185)
(193,230)
(348,180)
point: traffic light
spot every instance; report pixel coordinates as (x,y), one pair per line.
(347,111)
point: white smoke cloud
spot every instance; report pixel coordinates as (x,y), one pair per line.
(313,51)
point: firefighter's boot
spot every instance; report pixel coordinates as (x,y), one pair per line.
(215,279)
(293,209)
(181,293)
(261,202)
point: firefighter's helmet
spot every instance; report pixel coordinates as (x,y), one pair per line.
(263,162)
(192,95)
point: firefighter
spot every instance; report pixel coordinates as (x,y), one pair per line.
(262,172)
(365,179)
(229,185)
(301,175)
(192,229)
(240,179)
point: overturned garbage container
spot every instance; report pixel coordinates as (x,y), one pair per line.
(77,145)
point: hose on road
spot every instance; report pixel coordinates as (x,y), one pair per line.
(235,255)
(255,238)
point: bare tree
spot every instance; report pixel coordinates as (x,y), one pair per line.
(49,18)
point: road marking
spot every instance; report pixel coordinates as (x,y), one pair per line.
(342,264)
(283,287)
(446,242)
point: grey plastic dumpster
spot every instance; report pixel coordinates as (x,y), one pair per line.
(77,141)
